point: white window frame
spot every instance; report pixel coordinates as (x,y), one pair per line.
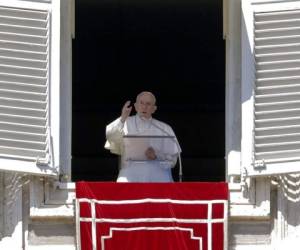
(247,96)
(51,169)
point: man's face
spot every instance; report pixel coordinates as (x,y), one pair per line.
(145,106)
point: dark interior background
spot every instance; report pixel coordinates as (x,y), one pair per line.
(173,48)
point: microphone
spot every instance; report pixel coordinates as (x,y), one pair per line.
(174,138)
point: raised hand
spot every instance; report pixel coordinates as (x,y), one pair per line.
(126,110)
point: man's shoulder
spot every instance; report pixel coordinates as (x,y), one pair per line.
(161,123)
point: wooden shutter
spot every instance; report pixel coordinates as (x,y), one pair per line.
(276,89)
(25,55)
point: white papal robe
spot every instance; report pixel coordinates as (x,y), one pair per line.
(158,170)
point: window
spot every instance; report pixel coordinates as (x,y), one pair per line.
(271,87)
(29,86)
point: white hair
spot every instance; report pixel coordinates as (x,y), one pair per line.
(146,93)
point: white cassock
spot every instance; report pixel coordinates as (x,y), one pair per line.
(166,150)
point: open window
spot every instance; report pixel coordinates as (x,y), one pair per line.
(270,87)
(29,86)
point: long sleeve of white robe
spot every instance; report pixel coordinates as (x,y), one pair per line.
(114,137)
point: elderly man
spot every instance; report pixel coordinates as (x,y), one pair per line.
(159,157)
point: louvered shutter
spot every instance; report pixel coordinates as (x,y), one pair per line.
(25,56)
(276,89)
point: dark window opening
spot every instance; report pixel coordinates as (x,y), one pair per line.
(174,49)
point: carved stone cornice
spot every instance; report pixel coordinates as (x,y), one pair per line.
(51,199)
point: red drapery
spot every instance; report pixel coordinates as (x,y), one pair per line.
(156,216)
